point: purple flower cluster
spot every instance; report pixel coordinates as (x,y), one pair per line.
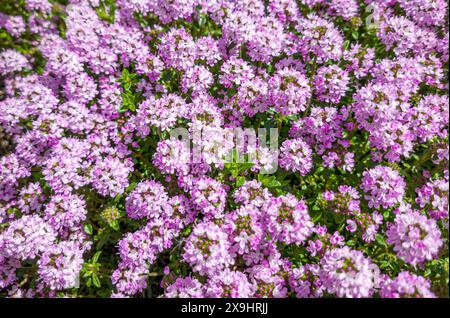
(26,237)
(434,196)
(330,83)
(383,187)
(296,156)
(416,238)
(406,285)
(140,249)
(347,202)
(59,267)
(347,273)
(97,191)
(323,241)
(324,130)
(148,200)
(288,219)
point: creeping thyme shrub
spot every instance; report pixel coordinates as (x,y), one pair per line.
(99,197)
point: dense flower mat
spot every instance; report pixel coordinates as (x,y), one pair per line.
(98,199)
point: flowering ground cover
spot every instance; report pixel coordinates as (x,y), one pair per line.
(224,148)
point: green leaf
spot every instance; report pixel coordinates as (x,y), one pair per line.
(114,225)
(339,218)
(240,181)
(380,240)
(102,241)
(269,181)
(273,184)
(89,282)
(96,256)
(317,217)
(244,166)
(96,280)
(88,229)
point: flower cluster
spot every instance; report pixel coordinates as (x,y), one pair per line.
(127,166)
(347,202)
(406,285)
(384,187)
(415,237)
(347,273)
